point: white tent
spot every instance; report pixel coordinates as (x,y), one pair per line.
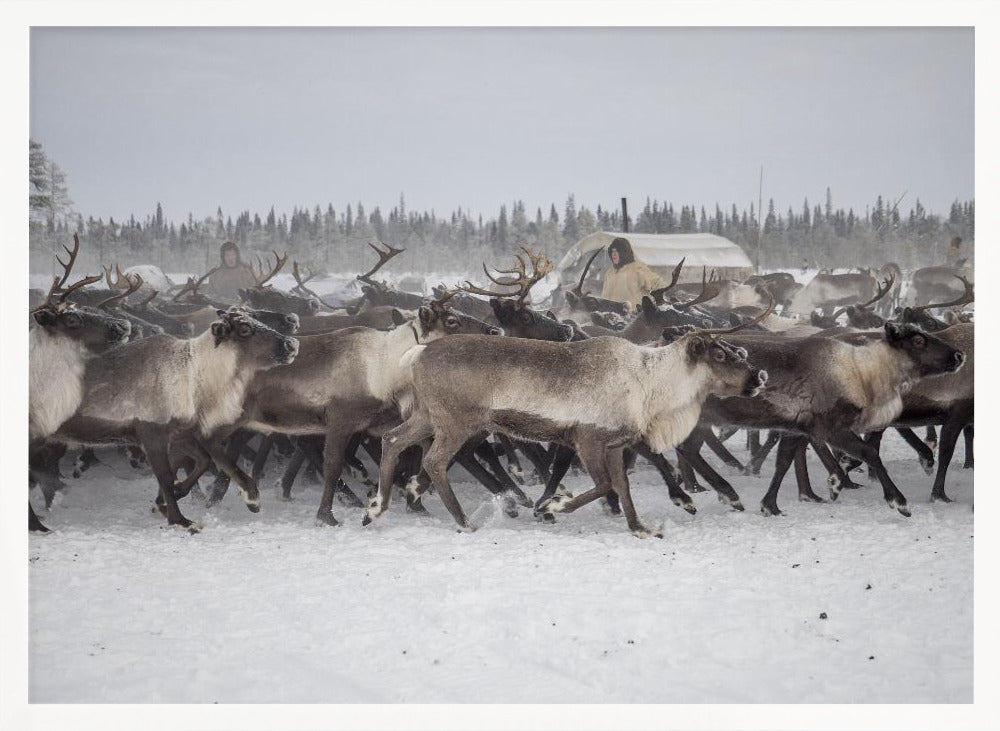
(662,252)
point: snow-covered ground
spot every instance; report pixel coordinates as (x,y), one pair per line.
(727,607)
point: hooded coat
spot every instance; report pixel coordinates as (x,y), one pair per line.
(225,282)
(631,280)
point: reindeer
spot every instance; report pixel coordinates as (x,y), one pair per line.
(64,338)
(930,283)
(829,389)
(598,396)
(829,291)
(161,389)
(343,383)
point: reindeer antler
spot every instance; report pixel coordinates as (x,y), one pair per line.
(133,286)
(760,318)
(709,290)
(279,262)
(68,266)
(541,266)
(191,285)
(657,294)
(383,257)
(82,283)
(300,283)
(967,297)
(578,289)
(444,294)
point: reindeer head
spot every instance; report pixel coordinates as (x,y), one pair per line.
(731,374)
(931,355)
(94,328)
(436,320)
(520,321)
(257,346)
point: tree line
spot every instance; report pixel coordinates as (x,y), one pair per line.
(332,239)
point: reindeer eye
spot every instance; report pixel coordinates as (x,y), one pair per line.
(244,330)
(451,321)
(919,341)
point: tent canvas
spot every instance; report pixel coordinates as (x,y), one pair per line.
(663,251)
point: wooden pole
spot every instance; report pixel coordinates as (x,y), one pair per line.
(624,215)
(760,217)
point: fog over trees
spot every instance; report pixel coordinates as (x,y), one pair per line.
(331,238)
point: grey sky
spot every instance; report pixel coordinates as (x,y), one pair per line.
(247,118)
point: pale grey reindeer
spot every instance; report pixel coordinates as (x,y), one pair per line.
(597,396)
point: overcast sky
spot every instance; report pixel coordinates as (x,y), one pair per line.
(247,118)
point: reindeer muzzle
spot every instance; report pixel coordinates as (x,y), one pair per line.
(118,332)
(288,348)
(957,361)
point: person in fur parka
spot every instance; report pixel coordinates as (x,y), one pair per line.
(628,280)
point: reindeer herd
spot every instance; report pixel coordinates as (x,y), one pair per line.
(473,377)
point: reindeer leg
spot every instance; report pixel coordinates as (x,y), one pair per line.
(760,454)
(414,430)
(34,524)
(787,447)
(968,434)
(687,474)
(312,447)
(266,443)
(246,485)
(486,451)
(513,463)
(466,459)
(851,443)
(958,418)
(436,462)
(874,438)
(802,474)
(924,453)
(154,440)
(334,450)
(931,439)
(217,490)
(562,459)
(713,443)
(674,490)
(727,495)
(292,468)
(537,456)
(615,467)
(837,478)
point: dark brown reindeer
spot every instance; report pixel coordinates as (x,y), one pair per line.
(64,337)
(598,396)
(265,296)
(830,389)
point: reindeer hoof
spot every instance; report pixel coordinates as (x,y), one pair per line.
(808,497)
(325,517)
(644,532)
(608,508)
(928,465)
(734,504)
(688,506)
(902,508)
(467,528)
(253,506)
(935,496)
(769,511)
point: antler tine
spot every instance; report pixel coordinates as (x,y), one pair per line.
(446,294)
(657,294)
(383,257)
(709,290)
(279,262)
(760,318)
(192,284)
(82,283)
(578,289)
(967,297)
(879,292)
(68,266)
(133,286)
(300,282)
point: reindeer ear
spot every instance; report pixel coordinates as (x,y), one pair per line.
(648,307)
(45,318)
(551,314)
(220,313)
(427,315)
(398,318)
(893,332)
